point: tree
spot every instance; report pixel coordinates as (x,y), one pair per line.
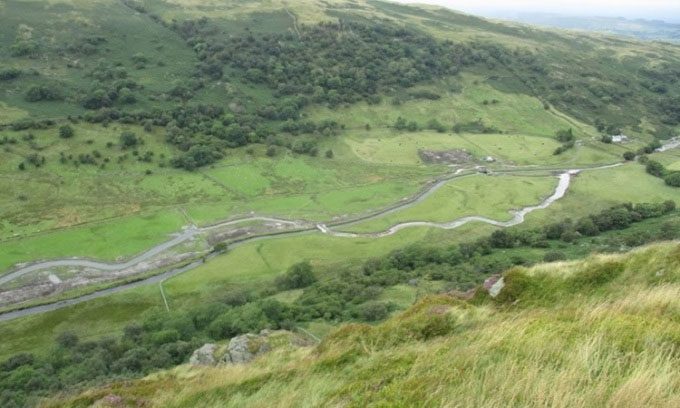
(373,310)
(668,206)
(128,139)
(586,226)
(126,96)
(628,156)
(501,239)
(554,231)
(606,139)
(271,151)
(570,235)
(565,136)
(434,124)
(298,276)
(673,179)
(66,131)
(655,168)
(329,154)
(553,256)
(67,339)
(98,99)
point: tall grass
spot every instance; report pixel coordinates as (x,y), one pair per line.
(611,340)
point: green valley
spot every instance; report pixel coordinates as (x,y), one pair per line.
(176,173)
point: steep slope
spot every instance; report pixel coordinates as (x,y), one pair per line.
(73,57)
(598,332)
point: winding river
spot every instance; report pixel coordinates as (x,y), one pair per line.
(302,227)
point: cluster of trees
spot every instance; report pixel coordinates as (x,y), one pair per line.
(330,63)
(333,64)
(24,48)
(161,340)
(642,152)
(110,85)
(44,92)
(7,74)
(25,124)
(669,107)
(477,126)
(607,128)
(86,45)
(566,137)
(656,169)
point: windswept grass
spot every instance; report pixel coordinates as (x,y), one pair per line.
(598,332)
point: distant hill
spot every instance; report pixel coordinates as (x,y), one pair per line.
(638,28)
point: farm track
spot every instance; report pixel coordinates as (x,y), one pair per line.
(299,227)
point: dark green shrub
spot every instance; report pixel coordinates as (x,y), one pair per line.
(298,276)
(66,131)
(655,168)
(672,179)
(553,256)
(373,311)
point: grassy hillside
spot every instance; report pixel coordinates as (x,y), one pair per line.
(146,329)
(599,332)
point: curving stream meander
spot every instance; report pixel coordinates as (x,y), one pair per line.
(565,178)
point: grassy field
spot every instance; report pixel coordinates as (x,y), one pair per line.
(369,171)
(462,101)
(60,209)
(390,147)
(491,197)
(243,267)
(591,191)
(609,343)
(99,240)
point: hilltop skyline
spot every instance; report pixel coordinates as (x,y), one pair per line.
(665,10)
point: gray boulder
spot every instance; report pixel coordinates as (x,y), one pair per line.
(204,355)
(246,347)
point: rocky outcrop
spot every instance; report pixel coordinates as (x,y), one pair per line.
(244,348)
(204,356)
(495,290)
(494,284)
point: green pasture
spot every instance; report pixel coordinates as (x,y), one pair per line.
(390,147)
(247,266)
(487,196)
(71,206)
(57,195)
(462,101)
(111,240)
(593,190)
